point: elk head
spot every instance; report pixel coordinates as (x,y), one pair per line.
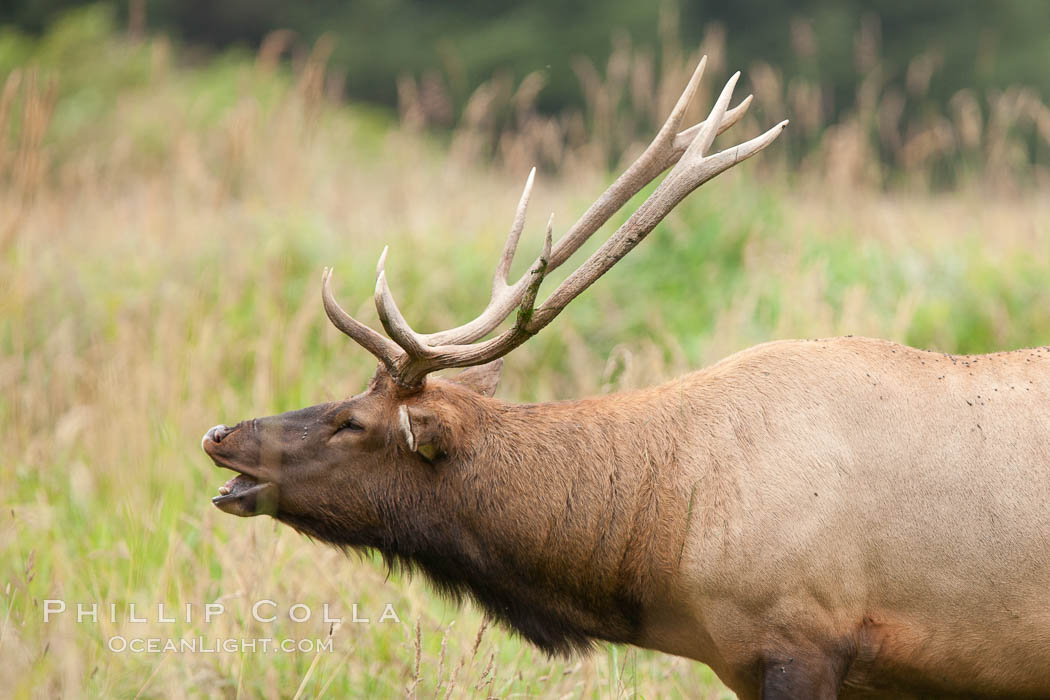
(329,469)
(344,470)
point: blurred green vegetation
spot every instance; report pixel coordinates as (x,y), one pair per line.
(163,224)
(981,44)
(940,88)
(923,79)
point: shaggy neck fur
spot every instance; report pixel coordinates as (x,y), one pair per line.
(556,506)
(555,518)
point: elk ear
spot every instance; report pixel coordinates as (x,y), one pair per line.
(482,379)
(422,432)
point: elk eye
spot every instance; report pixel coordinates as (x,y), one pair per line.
(350,424)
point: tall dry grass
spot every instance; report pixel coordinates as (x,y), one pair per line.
(893,134)
(163,233)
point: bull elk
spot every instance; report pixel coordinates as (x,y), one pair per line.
(810,518)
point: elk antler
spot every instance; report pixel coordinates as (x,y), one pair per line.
(409,356)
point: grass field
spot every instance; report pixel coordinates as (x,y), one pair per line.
(162,233)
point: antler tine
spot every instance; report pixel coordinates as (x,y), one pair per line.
(393,321)
(384,349)
(722,161)
(381,263)
(705,136)
(537,274)
(732,116)
(511,246)
(674,119)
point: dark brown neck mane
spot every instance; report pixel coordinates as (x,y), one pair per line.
(555,508)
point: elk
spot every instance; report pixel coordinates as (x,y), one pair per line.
(813,519)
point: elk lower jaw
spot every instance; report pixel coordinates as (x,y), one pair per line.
(246,496)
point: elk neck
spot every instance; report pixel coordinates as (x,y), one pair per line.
(562,515)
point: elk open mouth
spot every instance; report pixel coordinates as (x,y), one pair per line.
(244,495)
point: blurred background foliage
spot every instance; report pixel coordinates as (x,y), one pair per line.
(977,44)
(929,85)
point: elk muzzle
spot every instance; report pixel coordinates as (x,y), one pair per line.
(246,494)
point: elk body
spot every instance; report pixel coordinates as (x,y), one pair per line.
(813,519)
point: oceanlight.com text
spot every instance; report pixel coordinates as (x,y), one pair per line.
(205,645)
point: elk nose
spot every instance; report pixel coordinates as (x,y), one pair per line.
(216,434)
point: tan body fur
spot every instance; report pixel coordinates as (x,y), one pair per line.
(815,498)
